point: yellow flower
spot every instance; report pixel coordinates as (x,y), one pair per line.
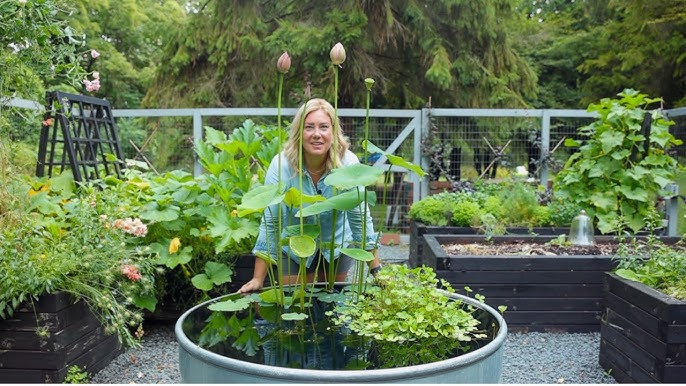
(174,245)
(234,213)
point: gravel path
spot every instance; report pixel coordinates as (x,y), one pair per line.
(529,358)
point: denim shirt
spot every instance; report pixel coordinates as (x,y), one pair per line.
(348,223)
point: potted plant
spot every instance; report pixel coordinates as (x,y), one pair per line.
(642,335)
(73,287)
(280,327)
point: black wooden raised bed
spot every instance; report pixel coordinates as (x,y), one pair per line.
(418,229)
(75,337)
(541,292)
(643,333)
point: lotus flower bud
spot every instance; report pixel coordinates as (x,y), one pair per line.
(337,54)
(284,63)
(369,82)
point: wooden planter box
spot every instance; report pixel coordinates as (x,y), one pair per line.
(75,337)
(418,229)
(542,293)
(643,333)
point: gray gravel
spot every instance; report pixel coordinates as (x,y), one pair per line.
(529,358)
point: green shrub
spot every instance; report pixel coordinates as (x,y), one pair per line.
(432,210)
(562,212)
(464,213)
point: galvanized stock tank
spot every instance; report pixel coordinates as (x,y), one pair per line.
(483,365)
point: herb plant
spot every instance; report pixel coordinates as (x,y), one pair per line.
(660,266)
(409,320)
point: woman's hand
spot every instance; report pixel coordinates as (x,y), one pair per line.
(253,285)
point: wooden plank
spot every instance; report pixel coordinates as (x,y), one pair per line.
(49,360)
(529,277)
(531,263)
(676,334)
(29,340)
(48,303)
(634,352)
(637,335)
(667,308)
(614,356)
(674,374)
(28,376)
(623,376)
(547,304)
(526,290)
(633,314)
(27,321)
(552,317)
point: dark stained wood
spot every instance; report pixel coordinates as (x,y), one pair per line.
(641,334)
(75,338)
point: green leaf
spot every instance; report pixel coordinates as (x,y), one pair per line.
(230,230)
(202,282)
(352,176)
(293,197)
(399,161)
(358,254)
(627,274)
(232,305)
(147,301)
(218,273)
(302,245)
(311,230)
(294,316)
(152,212)
(344,201)
(256,200)
(172,260)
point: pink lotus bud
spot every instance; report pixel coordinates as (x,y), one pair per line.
(284,63)
(94,54)
(337,54)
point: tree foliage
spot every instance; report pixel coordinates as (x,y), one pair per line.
(457,53)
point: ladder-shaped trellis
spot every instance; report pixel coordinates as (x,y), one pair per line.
(79,133)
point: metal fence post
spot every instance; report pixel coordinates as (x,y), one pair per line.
(672,209)
(419,155)
(545,146)
(197,139)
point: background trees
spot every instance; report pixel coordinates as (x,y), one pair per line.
(478,53)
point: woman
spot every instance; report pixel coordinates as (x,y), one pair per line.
(319,127)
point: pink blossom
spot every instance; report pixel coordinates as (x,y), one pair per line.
(94,54)
(131,271)
(96,75)
(131,226)
(284,63)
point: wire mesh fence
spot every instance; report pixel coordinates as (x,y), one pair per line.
(450,144)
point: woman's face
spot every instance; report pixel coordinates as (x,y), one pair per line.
(317,133)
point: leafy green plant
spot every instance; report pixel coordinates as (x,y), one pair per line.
(76,375)
(619,172)
(656,265)
(410,322)
(432,210)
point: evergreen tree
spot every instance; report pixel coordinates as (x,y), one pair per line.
(455,52)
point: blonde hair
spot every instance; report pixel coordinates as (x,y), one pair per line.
(292,150)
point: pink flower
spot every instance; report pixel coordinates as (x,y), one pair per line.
(284,63)
(94,54)
(131,271)
(96,75)
(131,226)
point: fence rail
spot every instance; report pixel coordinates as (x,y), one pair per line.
(453,143)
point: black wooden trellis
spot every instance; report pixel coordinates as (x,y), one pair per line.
(79,133)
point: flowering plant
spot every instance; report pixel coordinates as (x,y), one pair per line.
(60,238)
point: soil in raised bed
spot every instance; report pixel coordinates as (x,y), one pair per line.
(528,248)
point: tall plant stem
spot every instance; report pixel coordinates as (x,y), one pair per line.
(279,260)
